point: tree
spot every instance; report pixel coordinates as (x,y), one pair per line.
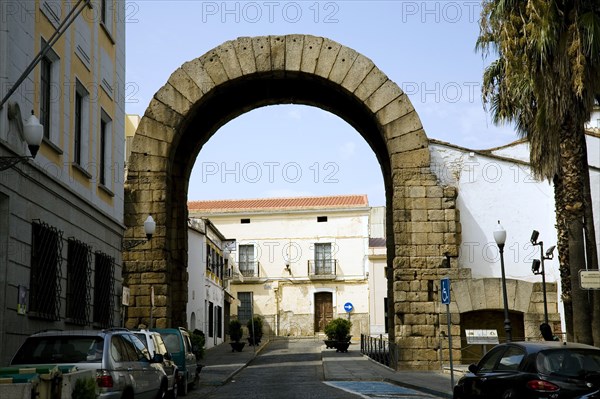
(544,80)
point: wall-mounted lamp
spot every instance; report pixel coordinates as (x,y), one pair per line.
(287,268)
(32,132)
(149,229)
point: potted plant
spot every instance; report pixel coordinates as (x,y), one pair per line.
(255,326)
(338,334)
(235,334)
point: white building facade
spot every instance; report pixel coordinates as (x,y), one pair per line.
(208,298)
(302,261)
(61,214)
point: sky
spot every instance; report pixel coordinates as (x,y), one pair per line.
(426,47)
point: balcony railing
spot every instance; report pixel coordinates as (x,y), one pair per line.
(250,269)
(322,268)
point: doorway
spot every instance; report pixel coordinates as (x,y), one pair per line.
(323,310)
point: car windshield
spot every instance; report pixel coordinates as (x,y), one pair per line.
(60,350)
(142,338)
(569,362)
(172,342)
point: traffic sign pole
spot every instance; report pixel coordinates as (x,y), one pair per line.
(445,288)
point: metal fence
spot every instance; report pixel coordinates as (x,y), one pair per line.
(380,349)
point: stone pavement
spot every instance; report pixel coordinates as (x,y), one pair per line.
(221,365)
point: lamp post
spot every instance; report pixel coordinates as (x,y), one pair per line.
(32,132)
(537,267)
(149,228)
(500,237)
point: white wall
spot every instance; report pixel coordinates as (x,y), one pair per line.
(492,189)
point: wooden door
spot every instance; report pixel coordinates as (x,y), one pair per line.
(323,310)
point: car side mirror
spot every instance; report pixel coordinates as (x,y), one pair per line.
(158,358)
(473,368)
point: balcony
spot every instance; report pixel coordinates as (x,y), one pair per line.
(322,269)
(250,270)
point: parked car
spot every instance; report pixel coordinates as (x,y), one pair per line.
(179,344)
(123,364)
(526,370)
(155,344)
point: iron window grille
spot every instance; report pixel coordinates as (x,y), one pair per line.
(324,264)
(79,260)
(245,308)
(46,265)
(104,282)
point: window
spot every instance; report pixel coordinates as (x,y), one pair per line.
(323,261)
(45,94)
(246,260)
(46,258)
(511,359)
(321,219)
(49,71)
(219,315)
(79,259)
(489,361)
(105,134)
(245,221)
(80,118)
(245,308)
(211,319)
(103,290)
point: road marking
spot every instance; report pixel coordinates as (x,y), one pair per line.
(377,389)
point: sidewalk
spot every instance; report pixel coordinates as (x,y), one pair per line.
(221,365)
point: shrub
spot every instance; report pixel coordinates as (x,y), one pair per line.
(258,326)
(235,330)
(338,329)
(85,388)
(198,341)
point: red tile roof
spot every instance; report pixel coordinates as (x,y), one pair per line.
(338,201)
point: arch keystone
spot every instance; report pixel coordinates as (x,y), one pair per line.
(277,53)
(293,52)
(310,53)
(262,53)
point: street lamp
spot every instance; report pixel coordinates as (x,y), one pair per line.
(500,237)
(537,267)
(32,132)
(149,228)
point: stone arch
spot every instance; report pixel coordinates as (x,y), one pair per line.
(249,72)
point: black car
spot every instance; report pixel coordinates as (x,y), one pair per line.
(534,370)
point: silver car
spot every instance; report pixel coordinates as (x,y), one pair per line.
(124,368)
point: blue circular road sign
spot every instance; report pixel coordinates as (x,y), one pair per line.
(348,307)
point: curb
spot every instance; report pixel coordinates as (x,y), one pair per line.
(233,373)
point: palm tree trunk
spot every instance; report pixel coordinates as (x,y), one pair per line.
(571,158)
(563,254)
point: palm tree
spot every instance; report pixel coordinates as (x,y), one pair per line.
(544,80)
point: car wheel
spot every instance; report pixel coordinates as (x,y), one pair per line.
(162,393)
(175,390)
(183,389)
